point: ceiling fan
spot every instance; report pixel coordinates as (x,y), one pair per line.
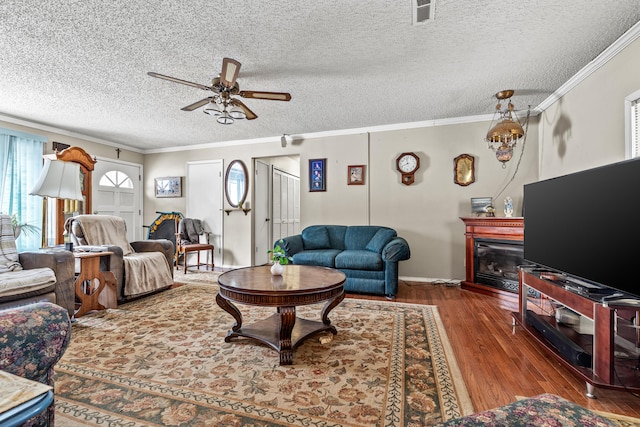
(222,105)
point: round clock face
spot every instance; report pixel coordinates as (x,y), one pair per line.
(407,163)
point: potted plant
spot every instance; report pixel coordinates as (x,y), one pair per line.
(20,227)
(279,258)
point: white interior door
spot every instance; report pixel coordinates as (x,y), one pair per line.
(204,192)
(117,191)
(286,204)
(261,213)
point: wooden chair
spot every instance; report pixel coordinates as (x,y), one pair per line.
(189,238)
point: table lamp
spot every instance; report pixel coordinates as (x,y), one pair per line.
(60,180)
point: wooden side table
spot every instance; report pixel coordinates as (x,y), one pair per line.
(95,289)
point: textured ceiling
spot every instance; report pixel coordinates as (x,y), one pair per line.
(81,65)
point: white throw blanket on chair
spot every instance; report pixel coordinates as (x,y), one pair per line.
(143,271)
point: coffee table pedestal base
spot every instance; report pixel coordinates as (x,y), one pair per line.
(290,335)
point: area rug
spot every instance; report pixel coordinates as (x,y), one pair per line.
(162,360)
(194,276)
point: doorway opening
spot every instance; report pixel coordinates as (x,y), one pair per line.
(276,202)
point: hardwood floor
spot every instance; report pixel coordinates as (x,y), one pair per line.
(499,361)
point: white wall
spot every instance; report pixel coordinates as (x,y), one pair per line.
(586,127)
(426,213)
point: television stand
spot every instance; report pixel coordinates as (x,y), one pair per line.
(606,367)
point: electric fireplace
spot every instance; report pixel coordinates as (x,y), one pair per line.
(496,263)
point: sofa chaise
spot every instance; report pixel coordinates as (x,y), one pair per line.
(368,255)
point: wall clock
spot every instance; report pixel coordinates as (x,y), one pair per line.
(407,164)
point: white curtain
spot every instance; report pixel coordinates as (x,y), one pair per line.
(20,166)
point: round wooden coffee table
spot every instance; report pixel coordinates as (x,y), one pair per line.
(298,285)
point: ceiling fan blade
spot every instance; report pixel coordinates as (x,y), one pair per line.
(250,114)
(230,70)
(273,96)
(175,80)
(198,104)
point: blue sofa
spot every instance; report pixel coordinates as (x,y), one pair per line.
(368,255)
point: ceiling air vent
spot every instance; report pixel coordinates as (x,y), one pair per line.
(422,11)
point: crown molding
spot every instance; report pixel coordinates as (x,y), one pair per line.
(609,53)
(65,132)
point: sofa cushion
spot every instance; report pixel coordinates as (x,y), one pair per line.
(357,236)
(380,240)
(320,257)
(316,237)
(336,236)
(359,260)
(19,282)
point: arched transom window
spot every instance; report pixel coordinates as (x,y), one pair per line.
(116,179)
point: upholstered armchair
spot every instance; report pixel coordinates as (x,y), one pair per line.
(140,267)
(34,337)
(28,277)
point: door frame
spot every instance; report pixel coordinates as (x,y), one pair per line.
(269,197)
(219,248)
(140,199)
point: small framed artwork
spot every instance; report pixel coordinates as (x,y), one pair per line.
(463,170)
(355,175)
(168,186)
(317,174)
(482,206)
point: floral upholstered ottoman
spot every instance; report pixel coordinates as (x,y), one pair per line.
(542,410)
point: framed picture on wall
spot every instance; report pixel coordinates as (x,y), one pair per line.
(355,175)
(317,174)
(168,186)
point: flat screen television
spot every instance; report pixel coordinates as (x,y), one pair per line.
(587,225)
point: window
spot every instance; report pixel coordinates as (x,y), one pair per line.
(116,179)
(422,11)
(632,124)
(21,163)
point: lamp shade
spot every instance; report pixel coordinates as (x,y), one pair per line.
(60,180)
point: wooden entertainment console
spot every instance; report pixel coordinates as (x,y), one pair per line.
(613,344)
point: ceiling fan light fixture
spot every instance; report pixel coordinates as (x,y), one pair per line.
(237,113)
(225,119)
(221,104)
(213,109)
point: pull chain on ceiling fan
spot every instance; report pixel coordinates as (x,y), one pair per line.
(222,105)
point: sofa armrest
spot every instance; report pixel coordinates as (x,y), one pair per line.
(34,337)
(157,245)
(292,244)
(396,250)
(63,265)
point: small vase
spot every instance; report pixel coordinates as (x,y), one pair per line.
(508,207)
(277,269)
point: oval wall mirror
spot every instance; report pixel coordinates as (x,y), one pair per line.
(235,183)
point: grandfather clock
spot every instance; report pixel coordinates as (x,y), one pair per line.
(69,208)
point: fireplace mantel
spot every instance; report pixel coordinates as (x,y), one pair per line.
(493,228)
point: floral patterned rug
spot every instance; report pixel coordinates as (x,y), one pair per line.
(194,276)
(162,360)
